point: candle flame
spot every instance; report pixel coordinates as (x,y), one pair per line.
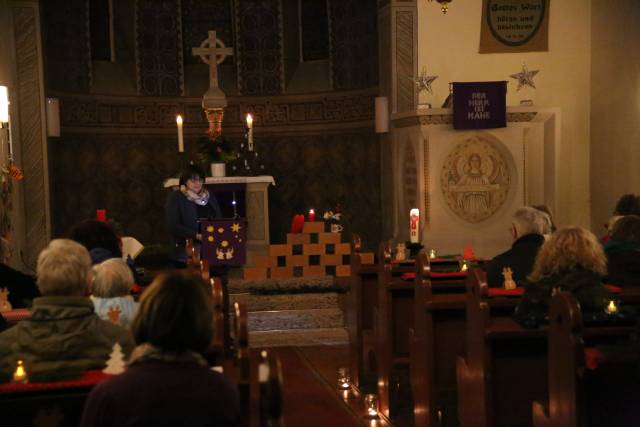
(20,374)
(249,121)
(432,254)
(611,308)
(464,267)
(179,119)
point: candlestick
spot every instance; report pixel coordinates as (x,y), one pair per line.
(414,225)
(249,132)
(180,134)
(611,308)
(20,375)
(312,215)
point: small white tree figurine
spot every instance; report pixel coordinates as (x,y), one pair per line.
(115,364)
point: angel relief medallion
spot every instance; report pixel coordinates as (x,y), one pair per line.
(475,179)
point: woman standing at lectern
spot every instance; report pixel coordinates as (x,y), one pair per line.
(185,207)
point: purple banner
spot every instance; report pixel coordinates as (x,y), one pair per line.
(480,105)
(224,241)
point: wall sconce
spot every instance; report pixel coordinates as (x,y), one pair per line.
(382,114)
(444,5)
(53,117)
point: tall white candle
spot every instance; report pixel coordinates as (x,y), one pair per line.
(250,132)
(414,225)
(180,134)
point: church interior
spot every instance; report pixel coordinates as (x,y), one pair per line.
(378,158)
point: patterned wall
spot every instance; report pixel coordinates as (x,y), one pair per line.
(124,174)
(354,43)
(66,45)
(259,29)
(159,48)
(198,17)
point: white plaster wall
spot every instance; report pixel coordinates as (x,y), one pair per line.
(448,47)
(615,105)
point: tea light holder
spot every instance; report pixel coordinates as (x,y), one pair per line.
(371,405)
(612,308)
(20,374)
(432,254)
(344,381)
(465,266)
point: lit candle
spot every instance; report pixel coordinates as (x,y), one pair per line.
(432,254)
(611,308)
(250,132)
(343,378)
(371,404)
(464,267)
(414,225)
(180,134)
(20,375)
(312,215)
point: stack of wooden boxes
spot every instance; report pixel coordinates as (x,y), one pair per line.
(312,253)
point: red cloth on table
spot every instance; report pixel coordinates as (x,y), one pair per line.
(614,289)
(501,292)
(435,275)
(16,315)
(87,379)
(297,224)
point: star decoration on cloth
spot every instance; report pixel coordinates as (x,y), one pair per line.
(235,227)
(525,77)
(423,82)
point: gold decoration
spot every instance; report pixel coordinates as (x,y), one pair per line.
(235,227)
(210,229)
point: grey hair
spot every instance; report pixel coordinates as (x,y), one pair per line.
(63,268)
(112,278)
(527,220)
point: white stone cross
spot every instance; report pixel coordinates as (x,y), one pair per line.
(212,47)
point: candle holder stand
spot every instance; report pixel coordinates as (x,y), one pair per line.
(414,249)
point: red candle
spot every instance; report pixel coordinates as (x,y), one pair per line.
(312,215)
(101,215)
(414,225)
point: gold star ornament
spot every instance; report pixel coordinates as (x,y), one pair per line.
(525,77)
(235,227)
(423,82)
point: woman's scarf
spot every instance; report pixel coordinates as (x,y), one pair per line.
(201,198)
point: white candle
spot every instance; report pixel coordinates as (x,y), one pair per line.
(414,225)
(180,134)
(250,132)
(249,121)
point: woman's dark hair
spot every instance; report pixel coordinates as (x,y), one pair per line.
(175,314)
(191,171)
(627,229)
(629,204)
(94,234)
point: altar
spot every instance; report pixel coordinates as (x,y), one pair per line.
(254,206)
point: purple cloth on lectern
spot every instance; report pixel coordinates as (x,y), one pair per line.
(479,105)
(224,241)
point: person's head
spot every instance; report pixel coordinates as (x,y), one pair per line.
(609,226)
(548,225)
(193,178)
(627,229)
(628,204)
(64,269)
(567,249)
(93,234)
(175,314)
(527,220)
(111,278)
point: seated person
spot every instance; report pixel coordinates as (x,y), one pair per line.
(527,227)
(99,239)
(623,252)
(628,204)
(549,226)
(571,260)
(63,336)
(22,287)
(184,208)
(167,381)
(112,281)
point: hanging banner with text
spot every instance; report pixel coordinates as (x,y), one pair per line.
(514,26)
(479,105)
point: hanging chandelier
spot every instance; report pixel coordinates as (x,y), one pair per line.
(444,5)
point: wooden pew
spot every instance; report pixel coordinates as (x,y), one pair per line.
(439,322)
(393,317)
(505,367)
(361,300)
(270,390)
(193,257)
(567,402)
(242,354)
